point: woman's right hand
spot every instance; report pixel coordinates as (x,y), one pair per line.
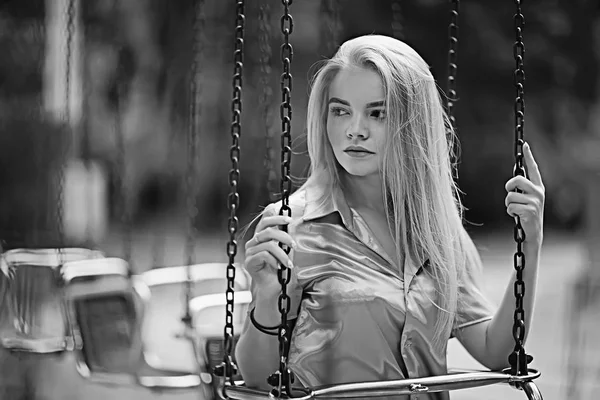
(263,253)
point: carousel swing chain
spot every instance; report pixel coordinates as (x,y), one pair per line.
(452,77)
(331,26)
(194,118)
(121,173)
(519,358)
(65,148)
(397,25)
(228,368)
(266,97)
(283,378)
(452,60)
(71,12)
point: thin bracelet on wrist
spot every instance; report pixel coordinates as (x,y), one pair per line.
(269,330)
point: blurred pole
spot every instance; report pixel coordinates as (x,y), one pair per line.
(85,201)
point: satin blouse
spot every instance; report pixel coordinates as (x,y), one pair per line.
(360,318)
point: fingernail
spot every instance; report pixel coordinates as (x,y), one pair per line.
(290,265)
(294,245)
(288,219)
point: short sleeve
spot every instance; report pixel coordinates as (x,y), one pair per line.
(473,306)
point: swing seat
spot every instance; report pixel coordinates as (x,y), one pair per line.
(32,316)
(116,319)
(451,381)
(172,345)
(107,309)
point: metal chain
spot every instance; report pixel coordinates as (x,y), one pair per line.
(194,118)
(121,173)
(330,13)
(283,273)
(452,76)
(452,60)
(518,358)
(266,97)
(66,146)
(397,23)
(233,201)
(86,140)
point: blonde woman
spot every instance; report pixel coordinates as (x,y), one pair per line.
(383,271)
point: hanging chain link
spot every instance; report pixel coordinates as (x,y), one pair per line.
(397,23)
(266,97)
(194,119)
(331,26)
(69,126)
(452,60)
(452,76)
(233,201)
(122,171)
(518,358)
(285,378)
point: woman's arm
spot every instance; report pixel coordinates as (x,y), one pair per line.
(491,342)
(257,354)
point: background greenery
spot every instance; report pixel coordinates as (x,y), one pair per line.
(137,55)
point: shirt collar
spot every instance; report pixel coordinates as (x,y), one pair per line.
(324,200)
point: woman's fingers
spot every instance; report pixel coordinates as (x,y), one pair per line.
(272,248)
(256,262)
(524,185)
(272,221)
(532,167)
(269,234)
(264,247)
(518,198)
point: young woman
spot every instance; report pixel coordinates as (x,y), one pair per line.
(383,271)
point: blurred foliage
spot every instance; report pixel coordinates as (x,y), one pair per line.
(138,55)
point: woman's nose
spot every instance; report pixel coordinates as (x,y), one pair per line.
(357,128)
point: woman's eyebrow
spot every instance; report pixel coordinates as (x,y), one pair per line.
(373,104)
(337,100)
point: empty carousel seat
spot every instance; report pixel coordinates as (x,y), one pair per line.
(33,317)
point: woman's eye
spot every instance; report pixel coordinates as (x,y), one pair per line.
(378,114)
(338,111)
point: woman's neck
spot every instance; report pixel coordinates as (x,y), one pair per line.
(364,192)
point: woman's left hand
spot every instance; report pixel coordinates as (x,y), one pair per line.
(528,205)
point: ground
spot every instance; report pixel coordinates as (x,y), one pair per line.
(563,258)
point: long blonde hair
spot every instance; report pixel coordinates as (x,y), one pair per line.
(424,206)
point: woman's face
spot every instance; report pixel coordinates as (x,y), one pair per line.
(356,120)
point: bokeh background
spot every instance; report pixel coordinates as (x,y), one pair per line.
(120,146)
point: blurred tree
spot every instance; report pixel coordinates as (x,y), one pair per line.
(145,50)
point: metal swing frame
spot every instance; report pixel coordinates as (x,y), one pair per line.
(518,376)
